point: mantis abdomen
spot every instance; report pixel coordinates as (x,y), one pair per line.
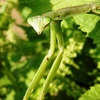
(69,11)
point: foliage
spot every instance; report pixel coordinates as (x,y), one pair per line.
(92,94)
(22,50)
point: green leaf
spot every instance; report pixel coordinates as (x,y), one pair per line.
(90,24)
(58,4)
(86,22)
(95,33)
(16,57)
(92,94)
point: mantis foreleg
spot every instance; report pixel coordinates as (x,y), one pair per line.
(55,27)
(42,67)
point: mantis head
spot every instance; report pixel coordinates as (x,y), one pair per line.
(39,23)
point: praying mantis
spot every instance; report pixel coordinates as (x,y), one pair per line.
(54,18)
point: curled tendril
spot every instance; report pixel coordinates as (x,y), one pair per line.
(95,10)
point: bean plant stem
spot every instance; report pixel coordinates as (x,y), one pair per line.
(9,74)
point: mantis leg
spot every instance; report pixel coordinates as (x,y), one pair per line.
(56,30)
(42,67)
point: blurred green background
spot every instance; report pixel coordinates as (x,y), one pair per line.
(22,51)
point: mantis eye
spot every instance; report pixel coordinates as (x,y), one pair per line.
(39,23)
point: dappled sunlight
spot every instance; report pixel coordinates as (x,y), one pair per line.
(22,50)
